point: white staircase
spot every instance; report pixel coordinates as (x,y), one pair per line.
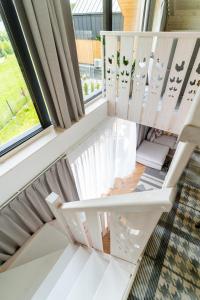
(81,271)
(116,278)
(38,245)
(73,274)
(20,283)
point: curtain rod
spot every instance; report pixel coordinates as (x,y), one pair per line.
(64,155)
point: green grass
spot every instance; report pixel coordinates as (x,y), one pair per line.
(17,113)
(25,119)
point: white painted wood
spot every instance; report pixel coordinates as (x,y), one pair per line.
(53,276)
(36,247)
(146,106)
(133,218)
(76,273)
(89,278)
(178,71)
(21,282)
(114,282)
(130,232)
(54,202)
(178,164)
(134,269)
(132,202)
(76,226)
(189,94)
(103,66)
(56,225)
(160,62)
(104,225)
(111,72)
(190,134)
(34,158)
(68,277)
(94,229)
(126,62)
(143,53)
(193,116)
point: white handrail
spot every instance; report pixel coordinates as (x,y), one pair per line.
(141,201)
(131,217)
(191,129)
(178,164)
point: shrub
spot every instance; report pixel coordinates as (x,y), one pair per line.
(7,47)
(97,85)
(92,86)
(85,88)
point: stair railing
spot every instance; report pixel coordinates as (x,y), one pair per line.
(151,78)
(189,139)
(132,219)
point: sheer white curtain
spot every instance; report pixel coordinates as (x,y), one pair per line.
(108,152)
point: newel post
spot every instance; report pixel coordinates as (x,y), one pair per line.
(54,202)
(178,164)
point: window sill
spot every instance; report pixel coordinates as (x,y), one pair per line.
(27,163)
(94,104)
(15,156)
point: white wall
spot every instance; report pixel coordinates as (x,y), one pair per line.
(31,166)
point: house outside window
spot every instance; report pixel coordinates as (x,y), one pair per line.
(88,22)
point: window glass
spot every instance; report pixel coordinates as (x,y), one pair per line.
(88,22)
(17,113)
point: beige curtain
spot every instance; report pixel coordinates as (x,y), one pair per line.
(28,211)
(48,29)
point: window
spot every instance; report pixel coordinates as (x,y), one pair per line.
(88,22)
(22,109)
(88,16)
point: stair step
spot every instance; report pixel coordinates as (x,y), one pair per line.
(47,240)
(114,282)
(21,282)
(89,279)
(57,270)
(64,284)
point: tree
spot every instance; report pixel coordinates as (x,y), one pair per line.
(7,47)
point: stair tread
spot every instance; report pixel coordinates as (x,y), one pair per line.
(40,245)
(26,279)
(114,282)
(61,264)
(89,279)
(64,284)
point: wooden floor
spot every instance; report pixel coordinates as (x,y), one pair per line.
(127,184)
(123,186)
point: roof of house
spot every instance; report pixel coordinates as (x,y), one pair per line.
(93,7)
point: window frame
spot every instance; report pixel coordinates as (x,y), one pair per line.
(107,26)
(20,48)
